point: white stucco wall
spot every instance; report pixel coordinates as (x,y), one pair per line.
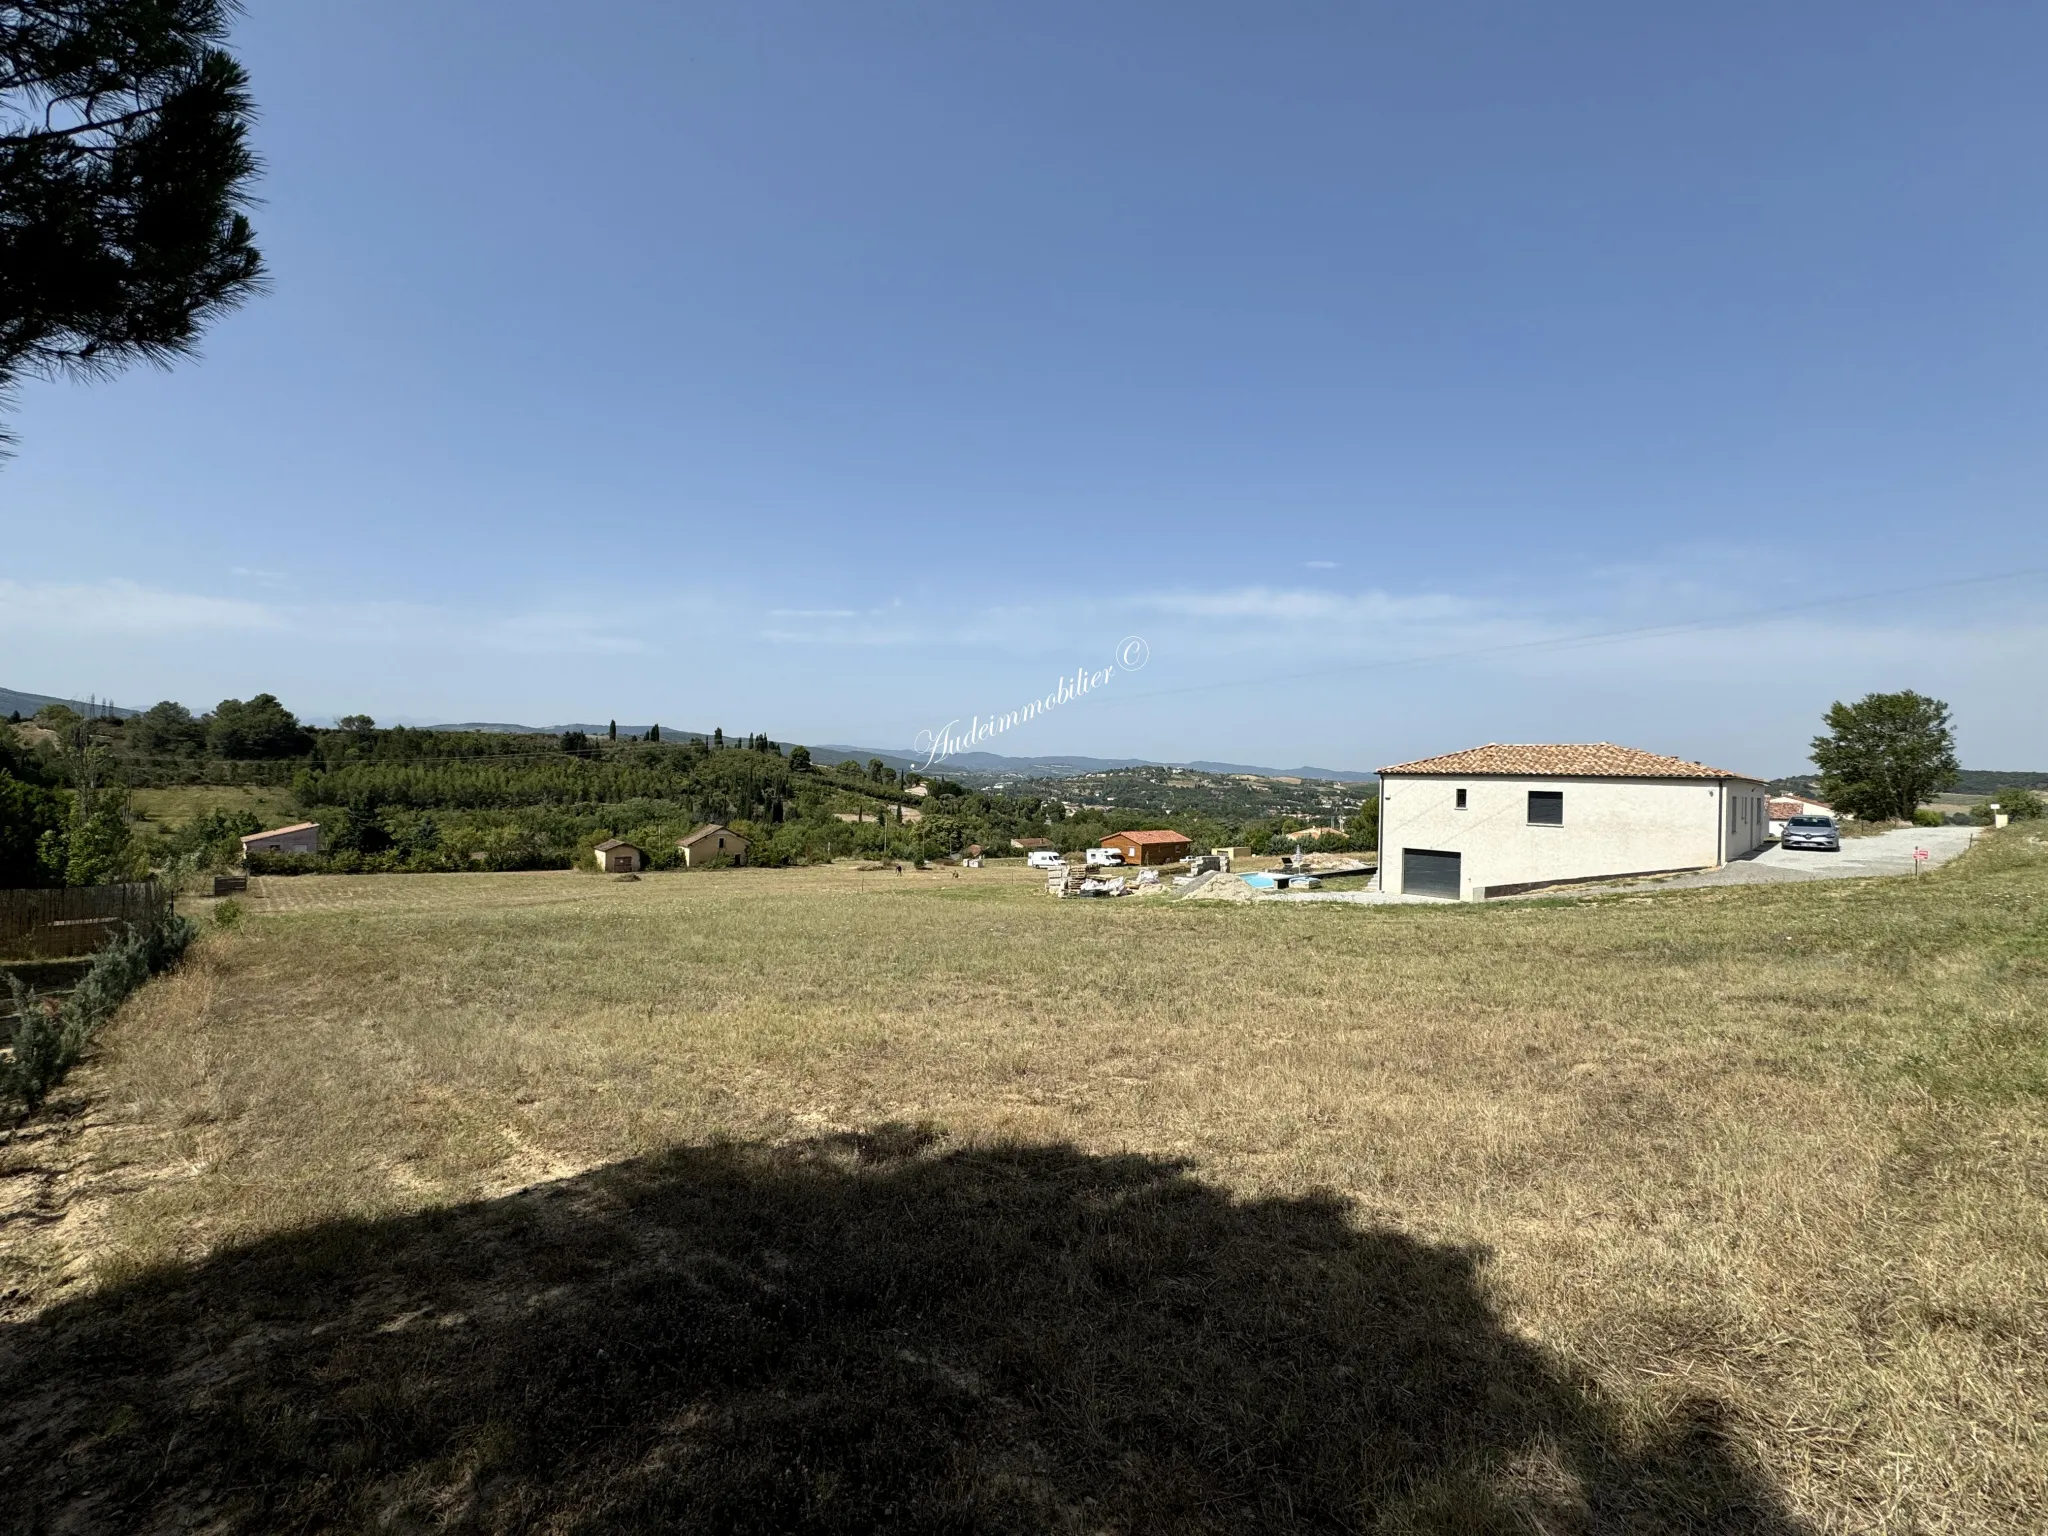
(1611,827)
(298,840)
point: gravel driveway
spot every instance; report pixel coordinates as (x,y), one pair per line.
(1888,853)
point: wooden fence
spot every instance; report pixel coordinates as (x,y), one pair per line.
(47,925)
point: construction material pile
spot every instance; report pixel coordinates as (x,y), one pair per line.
(1076,881)
(1221,888)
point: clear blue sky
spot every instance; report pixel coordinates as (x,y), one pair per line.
(840,370)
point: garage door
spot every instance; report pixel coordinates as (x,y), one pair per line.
(1427,873)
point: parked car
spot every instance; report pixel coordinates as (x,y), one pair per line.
(1812,832)
(1045,858)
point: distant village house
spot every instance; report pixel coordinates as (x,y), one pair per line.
(1149,847)
(299,837)
(617,857)
(712,844)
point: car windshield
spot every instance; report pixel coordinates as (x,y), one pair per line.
(1810,821)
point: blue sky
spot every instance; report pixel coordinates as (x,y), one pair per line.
(838,371)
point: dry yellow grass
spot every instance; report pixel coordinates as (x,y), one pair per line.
(173,807)
(1759,1177)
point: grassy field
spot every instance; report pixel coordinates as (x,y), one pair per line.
(810,1200)
(175,806)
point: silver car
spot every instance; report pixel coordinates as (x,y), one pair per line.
(1812,832)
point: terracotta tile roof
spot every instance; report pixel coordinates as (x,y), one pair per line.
(708,827)
(1143,837)
(1565,760)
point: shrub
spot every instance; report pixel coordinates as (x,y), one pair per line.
(1927,816)
(288,864)
(2015,804)
(52,1036)
(228,914)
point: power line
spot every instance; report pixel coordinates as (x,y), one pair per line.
(1599,637)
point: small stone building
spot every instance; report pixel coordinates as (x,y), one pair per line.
(712,844)
(299,837)
(617,857)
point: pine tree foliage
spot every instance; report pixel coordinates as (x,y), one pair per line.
(125,176)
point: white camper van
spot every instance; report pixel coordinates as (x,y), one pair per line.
(1097,857)
(1045,858)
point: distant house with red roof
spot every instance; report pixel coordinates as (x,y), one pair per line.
(1149,847)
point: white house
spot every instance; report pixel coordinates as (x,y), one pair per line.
(299,837)
(1501,819)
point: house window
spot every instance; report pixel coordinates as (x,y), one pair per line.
(1461,799)
(1546,807)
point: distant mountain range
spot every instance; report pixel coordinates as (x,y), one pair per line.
(26,704)
(991,763)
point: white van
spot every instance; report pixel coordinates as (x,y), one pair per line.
(1097,857)
(1045,858)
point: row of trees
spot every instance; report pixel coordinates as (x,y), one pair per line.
(256,729)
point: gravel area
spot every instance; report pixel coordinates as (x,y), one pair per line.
(1888,853)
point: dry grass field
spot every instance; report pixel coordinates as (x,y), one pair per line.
(820,1201)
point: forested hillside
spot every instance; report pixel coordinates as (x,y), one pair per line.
(1223,800)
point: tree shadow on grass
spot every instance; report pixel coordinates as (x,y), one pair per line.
(857,1334)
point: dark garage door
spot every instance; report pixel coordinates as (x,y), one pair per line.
(1424,873)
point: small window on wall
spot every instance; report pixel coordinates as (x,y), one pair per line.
(1461,799)
(1546,807)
